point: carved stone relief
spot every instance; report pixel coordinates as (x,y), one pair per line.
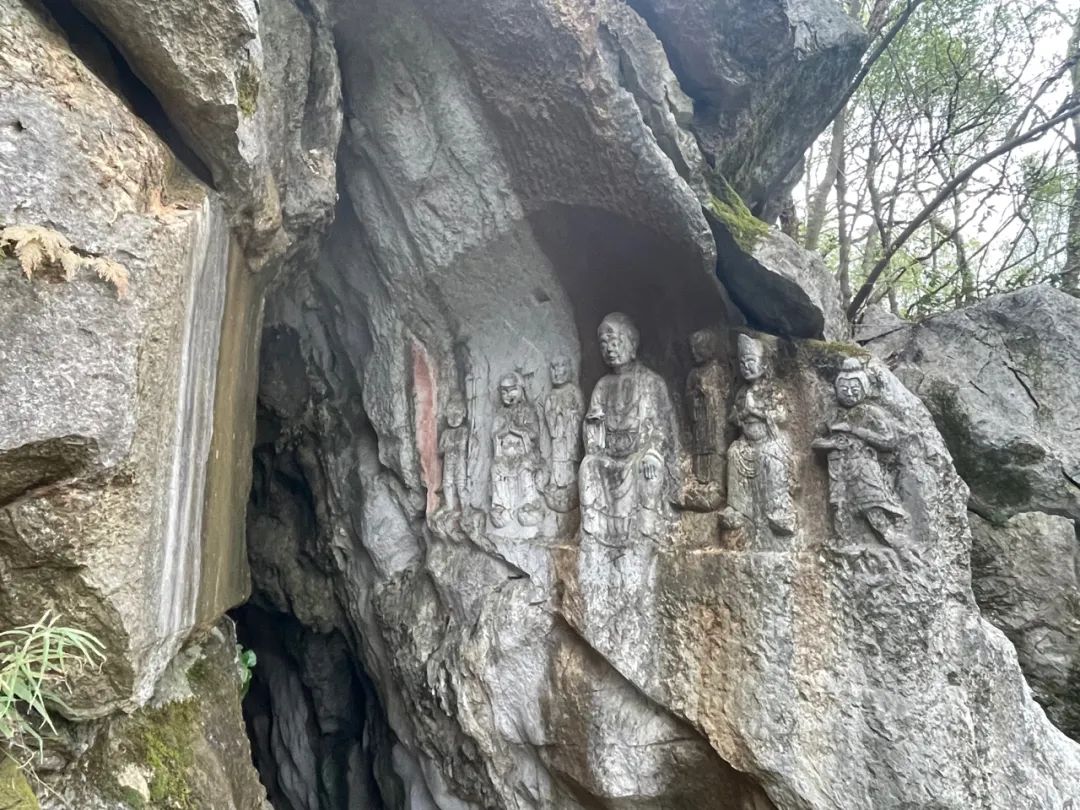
(454,449)
(861,493)
(516,461)
(628,472)
(564,408)
(705,394)
(759,460)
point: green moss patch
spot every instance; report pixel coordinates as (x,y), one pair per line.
(163,740)
(15,791)
(746,229)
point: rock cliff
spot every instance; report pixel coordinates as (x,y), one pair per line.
(369,251)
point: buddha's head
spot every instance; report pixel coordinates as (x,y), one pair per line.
(704,346)
(618,340)
(455,411)
(560,369)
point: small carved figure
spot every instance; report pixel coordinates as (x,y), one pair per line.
(759,460)
(704,387)
(562,413)
(516,461)
(860,492)
(627,477)
(454,449)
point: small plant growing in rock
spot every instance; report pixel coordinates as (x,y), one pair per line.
(40,250)
(37,662)
(246,660)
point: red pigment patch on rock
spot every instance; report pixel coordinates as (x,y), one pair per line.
(425,394)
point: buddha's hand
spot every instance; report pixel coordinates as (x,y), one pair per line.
(650,466)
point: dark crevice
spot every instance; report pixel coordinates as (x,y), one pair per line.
(104,59)
(319,735)
(309,714)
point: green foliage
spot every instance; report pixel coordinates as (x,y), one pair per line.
(247,660)
(744,227)
(37,662)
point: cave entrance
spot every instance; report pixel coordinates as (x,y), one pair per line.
(319,737)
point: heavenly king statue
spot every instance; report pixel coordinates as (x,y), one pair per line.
(759,460)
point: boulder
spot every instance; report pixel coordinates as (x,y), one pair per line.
(1026,578)
(503,192)
(764,78)
(780,287)
(997,378)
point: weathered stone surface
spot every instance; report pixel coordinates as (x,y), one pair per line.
(1026,578)
(764,77)
(780,287)
(998,378)
(106,403)
(187,748)
(254,89)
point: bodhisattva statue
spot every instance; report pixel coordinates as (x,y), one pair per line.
(759,460)
(454,448)
(516,460)
(563,410)
(628,475)
(705,391)
(860,492)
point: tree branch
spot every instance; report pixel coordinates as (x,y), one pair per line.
(947,190)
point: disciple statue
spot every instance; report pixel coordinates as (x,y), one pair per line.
(563,410)
(516,462)
(759,480)
(860,492)
(627,478)
(704,390)
(454,449)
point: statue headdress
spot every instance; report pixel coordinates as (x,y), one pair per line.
(852,368)
(750,346)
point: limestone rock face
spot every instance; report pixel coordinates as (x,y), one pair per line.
(254,89)
(997,377)
(1026,577)
(763,76)
(107,404)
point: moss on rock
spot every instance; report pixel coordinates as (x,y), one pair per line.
(163,739)
(15,790)
(746,229)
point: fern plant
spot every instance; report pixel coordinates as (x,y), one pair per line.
(37,662)
(40,249)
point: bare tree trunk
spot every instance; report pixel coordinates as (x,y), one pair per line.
(843,229)
(818,204)
(1070,274)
